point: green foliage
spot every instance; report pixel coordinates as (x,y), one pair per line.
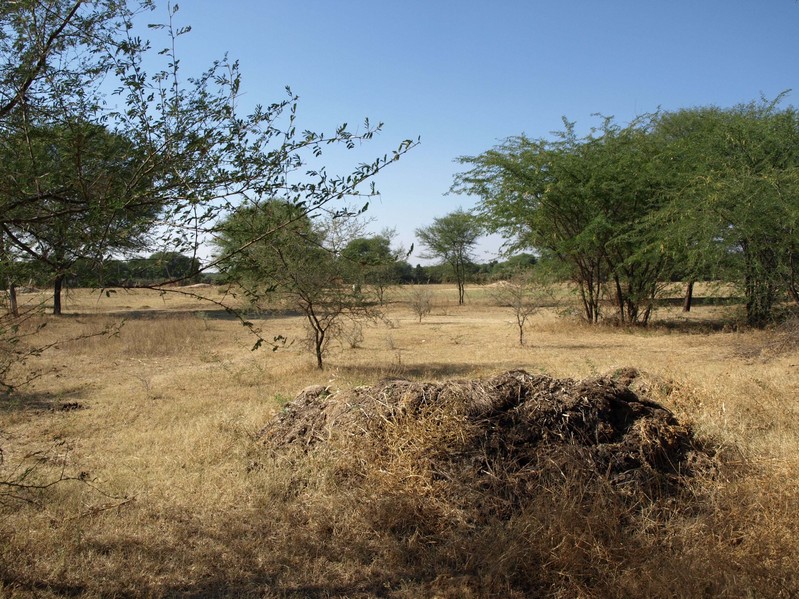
(501,271)
(581,200)
(73,192)
(276,252)
(737,211)
(157,164)
(371,261)
(451,239)
(157,269)
(696,193)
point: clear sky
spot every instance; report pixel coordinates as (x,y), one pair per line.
(466,74)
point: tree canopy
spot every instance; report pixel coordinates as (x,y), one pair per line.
(85,179)
(629,207)
(107,144)
(451,239)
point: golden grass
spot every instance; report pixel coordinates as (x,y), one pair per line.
(161,433)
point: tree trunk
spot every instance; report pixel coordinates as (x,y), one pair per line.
(57,284)
(460,277)
(13,306)
(689,297)
(320,342)
(619,297)
(793,283)
(794,290)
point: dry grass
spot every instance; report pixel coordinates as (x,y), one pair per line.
(154,429)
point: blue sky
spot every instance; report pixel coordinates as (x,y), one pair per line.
(466,74)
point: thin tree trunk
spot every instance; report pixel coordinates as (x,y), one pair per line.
(320,342)
(794,290)
(460,276)
(793,285)
(319,363)
(12,299)
(689,297)
(619,297)
(57,284)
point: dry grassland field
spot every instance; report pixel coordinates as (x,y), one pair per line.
(134,464)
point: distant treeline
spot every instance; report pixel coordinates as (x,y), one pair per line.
(164,267)
(158,268)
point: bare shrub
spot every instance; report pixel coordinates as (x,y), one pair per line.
(775,342)
(352,334)
(525,294)
(421,301)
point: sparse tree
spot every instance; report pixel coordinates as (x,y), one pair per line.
(197,153)
(290,264)
(452,239)
(525,293)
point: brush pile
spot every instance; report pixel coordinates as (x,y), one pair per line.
(489,445)
(517,485)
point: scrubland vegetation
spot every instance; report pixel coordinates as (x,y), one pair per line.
(150,444)
(133,466)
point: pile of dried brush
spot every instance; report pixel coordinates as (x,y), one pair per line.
(489,445)
(516,485)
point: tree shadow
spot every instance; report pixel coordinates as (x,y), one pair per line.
(430,370)
(240,564)
(700,301)
(696,327)
(39,401)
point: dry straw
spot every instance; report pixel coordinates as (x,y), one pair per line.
(169,491)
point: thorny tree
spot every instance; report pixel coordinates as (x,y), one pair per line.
(452,239)
(193,155)
(293,266)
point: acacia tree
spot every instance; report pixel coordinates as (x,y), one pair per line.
(582,201)
(520,183)
(373,262)
(739,202)
(451,239)
(290,265)
(197,154)
(85,169)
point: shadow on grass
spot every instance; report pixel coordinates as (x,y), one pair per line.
(34,401)
(696,327)
(195,561)
(430,370)
(210,314)
(701,301)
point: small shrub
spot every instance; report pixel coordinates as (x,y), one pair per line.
(352,334)
(421,301)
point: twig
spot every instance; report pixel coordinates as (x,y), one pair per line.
(101,508)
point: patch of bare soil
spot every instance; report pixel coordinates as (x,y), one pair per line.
(489,445)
